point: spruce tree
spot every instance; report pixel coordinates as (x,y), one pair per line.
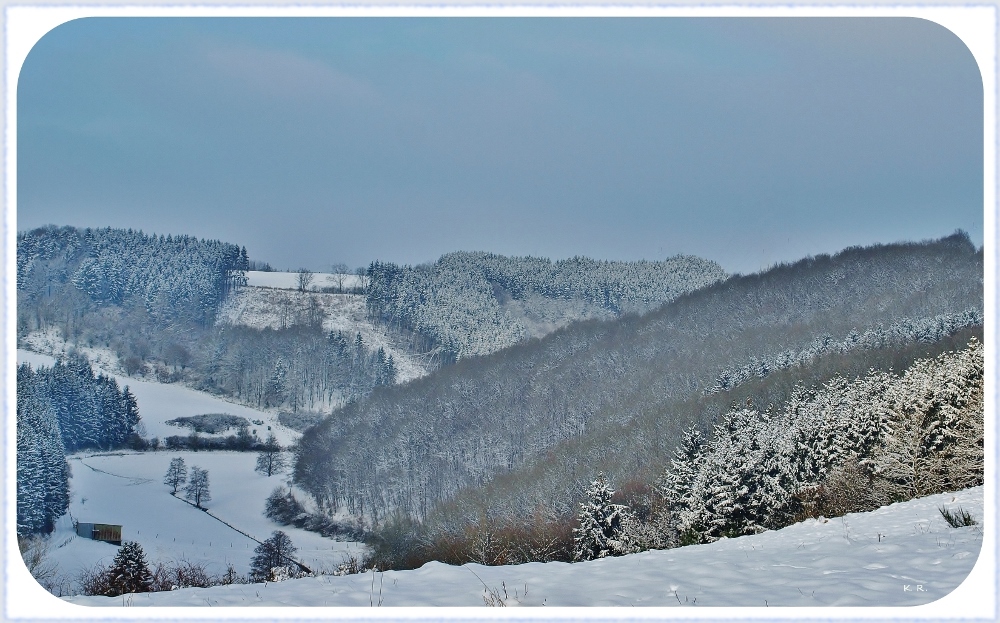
(602,530)
(129,573)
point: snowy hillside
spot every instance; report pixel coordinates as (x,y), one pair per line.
(269,307)
(160,402)
(128,489)
(900,555)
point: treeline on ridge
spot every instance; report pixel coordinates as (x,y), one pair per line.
(412,448)
(845,445)
(456,305)
(172,277)
(153,300)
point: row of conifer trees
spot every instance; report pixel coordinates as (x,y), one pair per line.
(63,409)
(849,445)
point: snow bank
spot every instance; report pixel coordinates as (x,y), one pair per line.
(900,555)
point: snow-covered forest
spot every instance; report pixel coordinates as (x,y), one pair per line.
(469,304)
(617,395)
(60,409)
(482,409)
(172,277)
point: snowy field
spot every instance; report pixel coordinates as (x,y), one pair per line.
(159,402)
(128,489)
(900,555)
(290,281)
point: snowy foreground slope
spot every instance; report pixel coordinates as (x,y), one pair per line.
(899,555)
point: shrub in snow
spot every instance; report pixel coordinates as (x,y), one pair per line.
(958,518)
(280,574)
(602,530)
(848,489)
(183,574)
(35,553)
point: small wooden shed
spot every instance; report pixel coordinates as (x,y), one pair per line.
(110,533)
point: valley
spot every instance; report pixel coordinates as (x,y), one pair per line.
(469,412)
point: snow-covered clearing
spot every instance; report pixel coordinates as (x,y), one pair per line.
(269,308)
(159,402)
(899,555)
(49,341)
(290,281)
(128,489)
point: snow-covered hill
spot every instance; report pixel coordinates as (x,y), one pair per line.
(127,489)
(270,307)
(900,555)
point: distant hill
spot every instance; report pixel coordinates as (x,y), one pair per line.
(171,277)
(177,308)
(415,446)
(470,304)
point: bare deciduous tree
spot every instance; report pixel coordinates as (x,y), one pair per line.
(304,279)
(176,474)
(197,487)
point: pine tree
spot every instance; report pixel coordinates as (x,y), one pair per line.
(602,530)
(129,572)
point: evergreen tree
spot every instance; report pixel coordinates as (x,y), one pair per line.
(42,471)
(129,572)
(602,530)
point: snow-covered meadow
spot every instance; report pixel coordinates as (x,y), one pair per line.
(900,555)
(290,280)
(128,489)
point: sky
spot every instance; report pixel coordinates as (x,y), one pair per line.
(314,141)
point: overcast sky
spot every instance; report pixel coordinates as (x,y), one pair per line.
(313,141)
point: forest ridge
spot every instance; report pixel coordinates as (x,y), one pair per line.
(549,383)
